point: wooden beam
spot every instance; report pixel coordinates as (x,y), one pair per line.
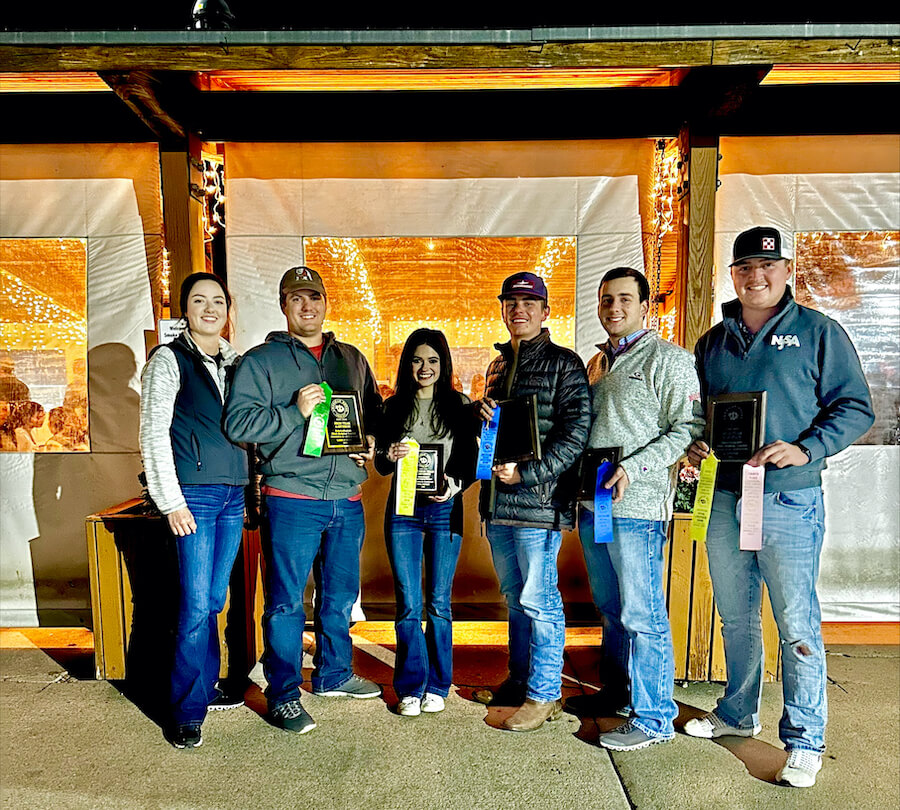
(138,89)
(674,53)
(804,51)
(696,250)
(182,219)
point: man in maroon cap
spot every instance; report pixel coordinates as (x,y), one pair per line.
(526,504)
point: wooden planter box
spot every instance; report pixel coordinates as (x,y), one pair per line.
(134,588)
(696,626)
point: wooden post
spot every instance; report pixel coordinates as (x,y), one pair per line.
(698,231)
(182,218)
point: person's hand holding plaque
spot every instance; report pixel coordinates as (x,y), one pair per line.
(698,451)
(781,454)
(308,397)
(444,495)
(485,408)
(367,455)
(507,473)
(397,451)
(618,482)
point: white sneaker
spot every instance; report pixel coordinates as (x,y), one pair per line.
(432,703)
(711,725)
(409,706)
(801,768)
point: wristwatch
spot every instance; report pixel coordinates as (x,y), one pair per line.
(805,449)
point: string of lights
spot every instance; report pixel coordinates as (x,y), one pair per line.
(664,198)
(554,251)
(346,252)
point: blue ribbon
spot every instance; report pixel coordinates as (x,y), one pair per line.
(603,530)
(487,447)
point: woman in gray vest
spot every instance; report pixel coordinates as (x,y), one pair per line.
(196,478)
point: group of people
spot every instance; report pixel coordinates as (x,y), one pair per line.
(203,408)
(27,427)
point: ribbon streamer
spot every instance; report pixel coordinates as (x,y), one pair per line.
(603,527)
(487,447)
(753,481)
(318,423)
(703,501)
(405,484)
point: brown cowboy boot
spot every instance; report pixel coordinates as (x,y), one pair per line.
(532,714)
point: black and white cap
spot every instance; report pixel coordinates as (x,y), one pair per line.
(758,243)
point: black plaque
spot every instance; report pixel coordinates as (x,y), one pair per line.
(590,461)
(736,425)
(517,437)
(344,432)
(430,474)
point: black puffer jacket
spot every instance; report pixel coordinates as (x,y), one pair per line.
(546,496)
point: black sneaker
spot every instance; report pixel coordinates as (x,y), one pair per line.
(291,716)
(187,736)
(598,704)
(223,701)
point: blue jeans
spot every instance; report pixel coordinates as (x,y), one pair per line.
(424,660)
(626,583)
(325,537)
(525,560)
(205,559)
(793,528)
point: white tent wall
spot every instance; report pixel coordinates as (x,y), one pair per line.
(109,196)
(842,184)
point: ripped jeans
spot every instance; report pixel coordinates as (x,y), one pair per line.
(793,528)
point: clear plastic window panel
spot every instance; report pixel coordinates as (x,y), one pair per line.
(854,277)
(43,346)
(381,289)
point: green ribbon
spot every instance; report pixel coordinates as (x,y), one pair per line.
(318,423)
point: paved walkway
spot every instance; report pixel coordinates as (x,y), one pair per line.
(75,743)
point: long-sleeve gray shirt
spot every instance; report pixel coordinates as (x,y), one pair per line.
(648,404)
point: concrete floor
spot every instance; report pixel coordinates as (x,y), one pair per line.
(77,743)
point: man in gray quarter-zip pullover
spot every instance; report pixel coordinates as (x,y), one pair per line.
(313,517)
(645,400)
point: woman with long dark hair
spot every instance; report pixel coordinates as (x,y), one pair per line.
(196,478)
(426,408)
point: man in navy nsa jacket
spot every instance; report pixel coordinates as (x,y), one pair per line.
(818,403)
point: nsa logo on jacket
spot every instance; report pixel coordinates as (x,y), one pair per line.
(785,340)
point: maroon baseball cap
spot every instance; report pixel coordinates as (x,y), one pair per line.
(523,284)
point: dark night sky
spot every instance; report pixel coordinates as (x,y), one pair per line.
(278,14)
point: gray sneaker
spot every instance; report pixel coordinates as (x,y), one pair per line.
(628,737)
(711,725)
(355,687)
(291,716)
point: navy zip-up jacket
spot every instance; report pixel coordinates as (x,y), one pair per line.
(203,455)
(816,390)
(262,408)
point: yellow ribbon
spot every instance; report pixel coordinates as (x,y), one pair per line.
(407,473)
(706,488)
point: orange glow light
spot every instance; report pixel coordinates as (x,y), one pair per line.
(480,79)
(833,74)
(71,82)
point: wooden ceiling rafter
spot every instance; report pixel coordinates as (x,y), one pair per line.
(139,89)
